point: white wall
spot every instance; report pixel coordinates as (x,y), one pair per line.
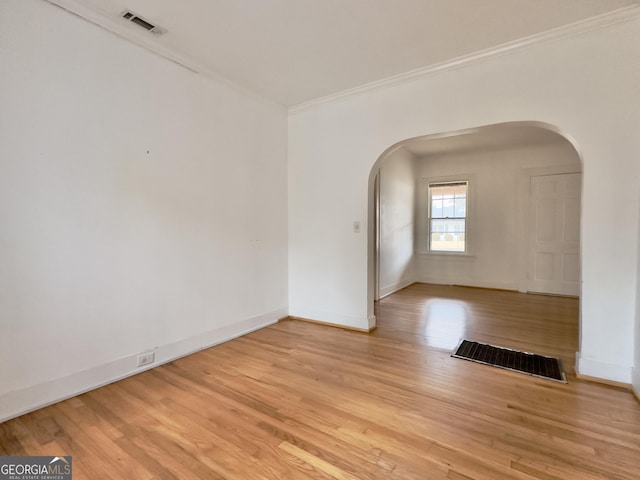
(498,209)
(142,207)
(584,84)
(397,216)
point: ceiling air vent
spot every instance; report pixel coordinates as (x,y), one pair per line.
(138,20)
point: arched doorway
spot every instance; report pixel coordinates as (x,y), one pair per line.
(504,166)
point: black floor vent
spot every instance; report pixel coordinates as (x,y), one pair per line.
(529,363)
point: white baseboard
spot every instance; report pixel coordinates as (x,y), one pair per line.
(393,288)
(19,402)
(635,382)
(465,282)
(372,322)
(604,371)
(331,318)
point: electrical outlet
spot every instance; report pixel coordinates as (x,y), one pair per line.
(146,359)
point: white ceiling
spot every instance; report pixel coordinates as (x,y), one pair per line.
(294,51)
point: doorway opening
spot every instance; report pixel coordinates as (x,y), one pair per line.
(522,211)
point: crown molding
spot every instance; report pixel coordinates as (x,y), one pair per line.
(152,43)
(582,26)
(127,31)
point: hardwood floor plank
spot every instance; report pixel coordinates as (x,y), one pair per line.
(302,401)
(316,462)
(160,445)
(156,466)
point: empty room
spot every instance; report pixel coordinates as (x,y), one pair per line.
(355,239)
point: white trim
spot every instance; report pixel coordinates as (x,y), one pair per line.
(19,402)
(393,288)
(582,26)
(125,30)
(605,371)
(466,282)
(332,318)
(437,253)
(430,219)
(524,200)
(377,206)
(635,381)
(423,215)
(372,322)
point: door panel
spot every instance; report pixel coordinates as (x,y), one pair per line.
(554,237)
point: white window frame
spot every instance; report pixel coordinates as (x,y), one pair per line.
(431,183)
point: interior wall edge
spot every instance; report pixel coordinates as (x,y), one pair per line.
(599,370)
(635,382)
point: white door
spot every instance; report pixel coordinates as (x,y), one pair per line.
(554,238)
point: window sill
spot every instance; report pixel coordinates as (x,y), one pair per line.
(447,254)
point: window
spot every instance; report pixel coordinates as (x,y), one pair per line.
(447,216)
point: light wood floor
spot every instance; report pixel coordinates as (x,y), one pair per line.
(298,400)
